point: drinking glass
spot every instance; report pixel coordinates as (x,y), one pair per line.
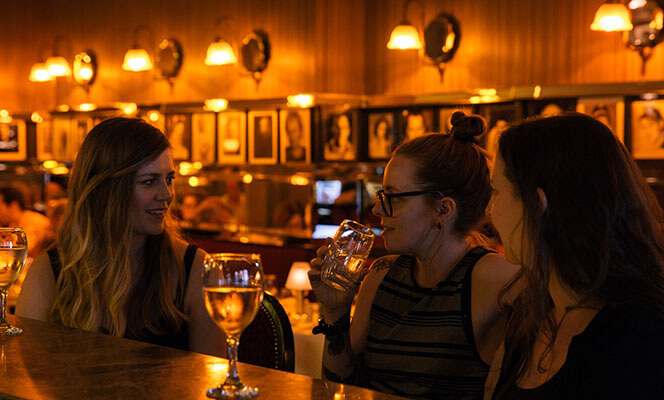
(13,252)
(343,263)
(233,292)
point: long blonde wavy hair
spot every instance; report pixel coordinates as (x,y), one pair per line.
(94,290)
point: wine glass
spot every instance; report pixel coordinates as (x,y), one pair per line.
(13,253)
(233,292)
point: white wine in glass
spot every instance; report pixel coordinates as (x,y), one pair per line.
(233,292)
(13,253)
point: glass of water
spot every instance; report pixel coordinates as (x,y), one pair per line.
(344,261)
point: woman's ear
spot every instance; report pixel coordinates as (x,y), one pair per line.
(445,209)
(543,202)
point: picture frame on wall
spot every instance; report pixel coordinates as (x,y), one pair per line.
(382,135)
(178,131)
(61,127)
(13,145)
(295,135)
(231,138)
(608,110)
(263,137)
(44,136)
(414,123)
(647,129)
(79,128)
(498,118)
(203,133)
(549,107)
(340,134)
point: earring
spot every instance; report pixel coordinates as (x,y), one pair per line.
(439,227)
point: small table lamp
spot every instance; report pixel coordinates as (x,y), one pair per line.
(298,282)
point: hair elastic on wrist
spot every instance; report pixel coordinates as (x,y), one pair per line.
(335,329)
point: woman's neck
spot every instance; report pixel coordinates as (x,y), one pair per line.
(439,258)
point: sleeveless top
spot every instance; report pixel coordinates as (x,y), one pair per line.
(420,341)
(177,340)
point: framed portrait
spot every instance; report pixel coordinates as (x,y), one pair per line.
(648,129)
(263,137)
(382,135)
(61,127)
(202,138)
(295,135)
(178,130)
(498,118)
(79,128)
(339,136)
(13,146)
(231,140)
(608,110)
(549,107)
(445,117)
(44,137)
(415,123)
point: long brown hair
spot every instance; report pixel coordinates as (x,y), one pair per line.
(601,233)
(94,288)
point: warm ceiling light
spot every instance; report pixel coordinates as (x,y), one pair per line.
(5,118)
(137,60)
(216,105)
(127,108)
(58,66)
(87,107)
(404,37)
(39,73)
(36,118)
(611,17)
(300,100)
(220,52)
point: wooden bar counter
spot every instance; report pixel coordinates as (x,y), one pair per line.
(55,362)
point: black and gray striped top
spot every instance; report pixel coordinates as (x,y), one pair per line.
(420,341)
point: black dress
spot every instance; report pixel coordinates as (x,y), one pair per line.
(620,355)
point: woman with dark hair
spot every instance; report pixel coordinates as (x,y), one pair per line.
(339,144)
(572,208)
(118,266)
(427,321)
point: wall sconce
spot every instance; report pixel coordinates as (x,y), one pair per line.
(85,69)
(642,27)
(215,105)
(137,58)
(58,65)
(39,72)
(405,36)
(256,53)
(220,52)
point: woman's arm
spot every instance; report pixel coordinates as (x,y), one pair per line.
(494,372)
(204,336)
(491,273)
(38,290)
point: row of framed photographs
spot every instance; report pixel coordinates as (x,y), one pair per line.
(331,134)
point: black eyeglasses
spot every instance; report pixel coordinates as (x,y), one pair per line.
(386,198)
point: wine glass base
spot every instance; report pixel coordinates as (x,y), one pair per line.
(232,392)
(9,330)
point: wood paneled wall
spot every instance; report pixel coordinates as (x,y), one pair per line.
(504,43)
(329,46)
(314,48)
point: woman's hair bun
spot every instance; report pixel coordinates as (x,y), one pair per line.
(466,127)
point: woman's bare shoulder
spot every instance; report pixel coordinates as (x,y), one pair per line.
(38,290)
(494,270)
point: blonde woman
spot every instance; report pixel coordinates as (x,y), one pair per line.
(118,266)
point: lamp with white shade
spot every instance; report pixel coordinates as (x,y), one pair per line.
(298,283)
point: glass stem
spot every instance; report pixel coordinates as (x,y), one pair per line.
(233,342)
(3,307)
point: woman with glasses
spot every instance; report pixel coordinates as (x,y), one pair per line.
(427,321)
(574,210)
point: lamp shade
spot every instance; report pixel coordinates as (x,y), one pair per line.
(404,37)
(137,60)
(39,73)
(220,53)
(58,66)
(297,276)
(611,17)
